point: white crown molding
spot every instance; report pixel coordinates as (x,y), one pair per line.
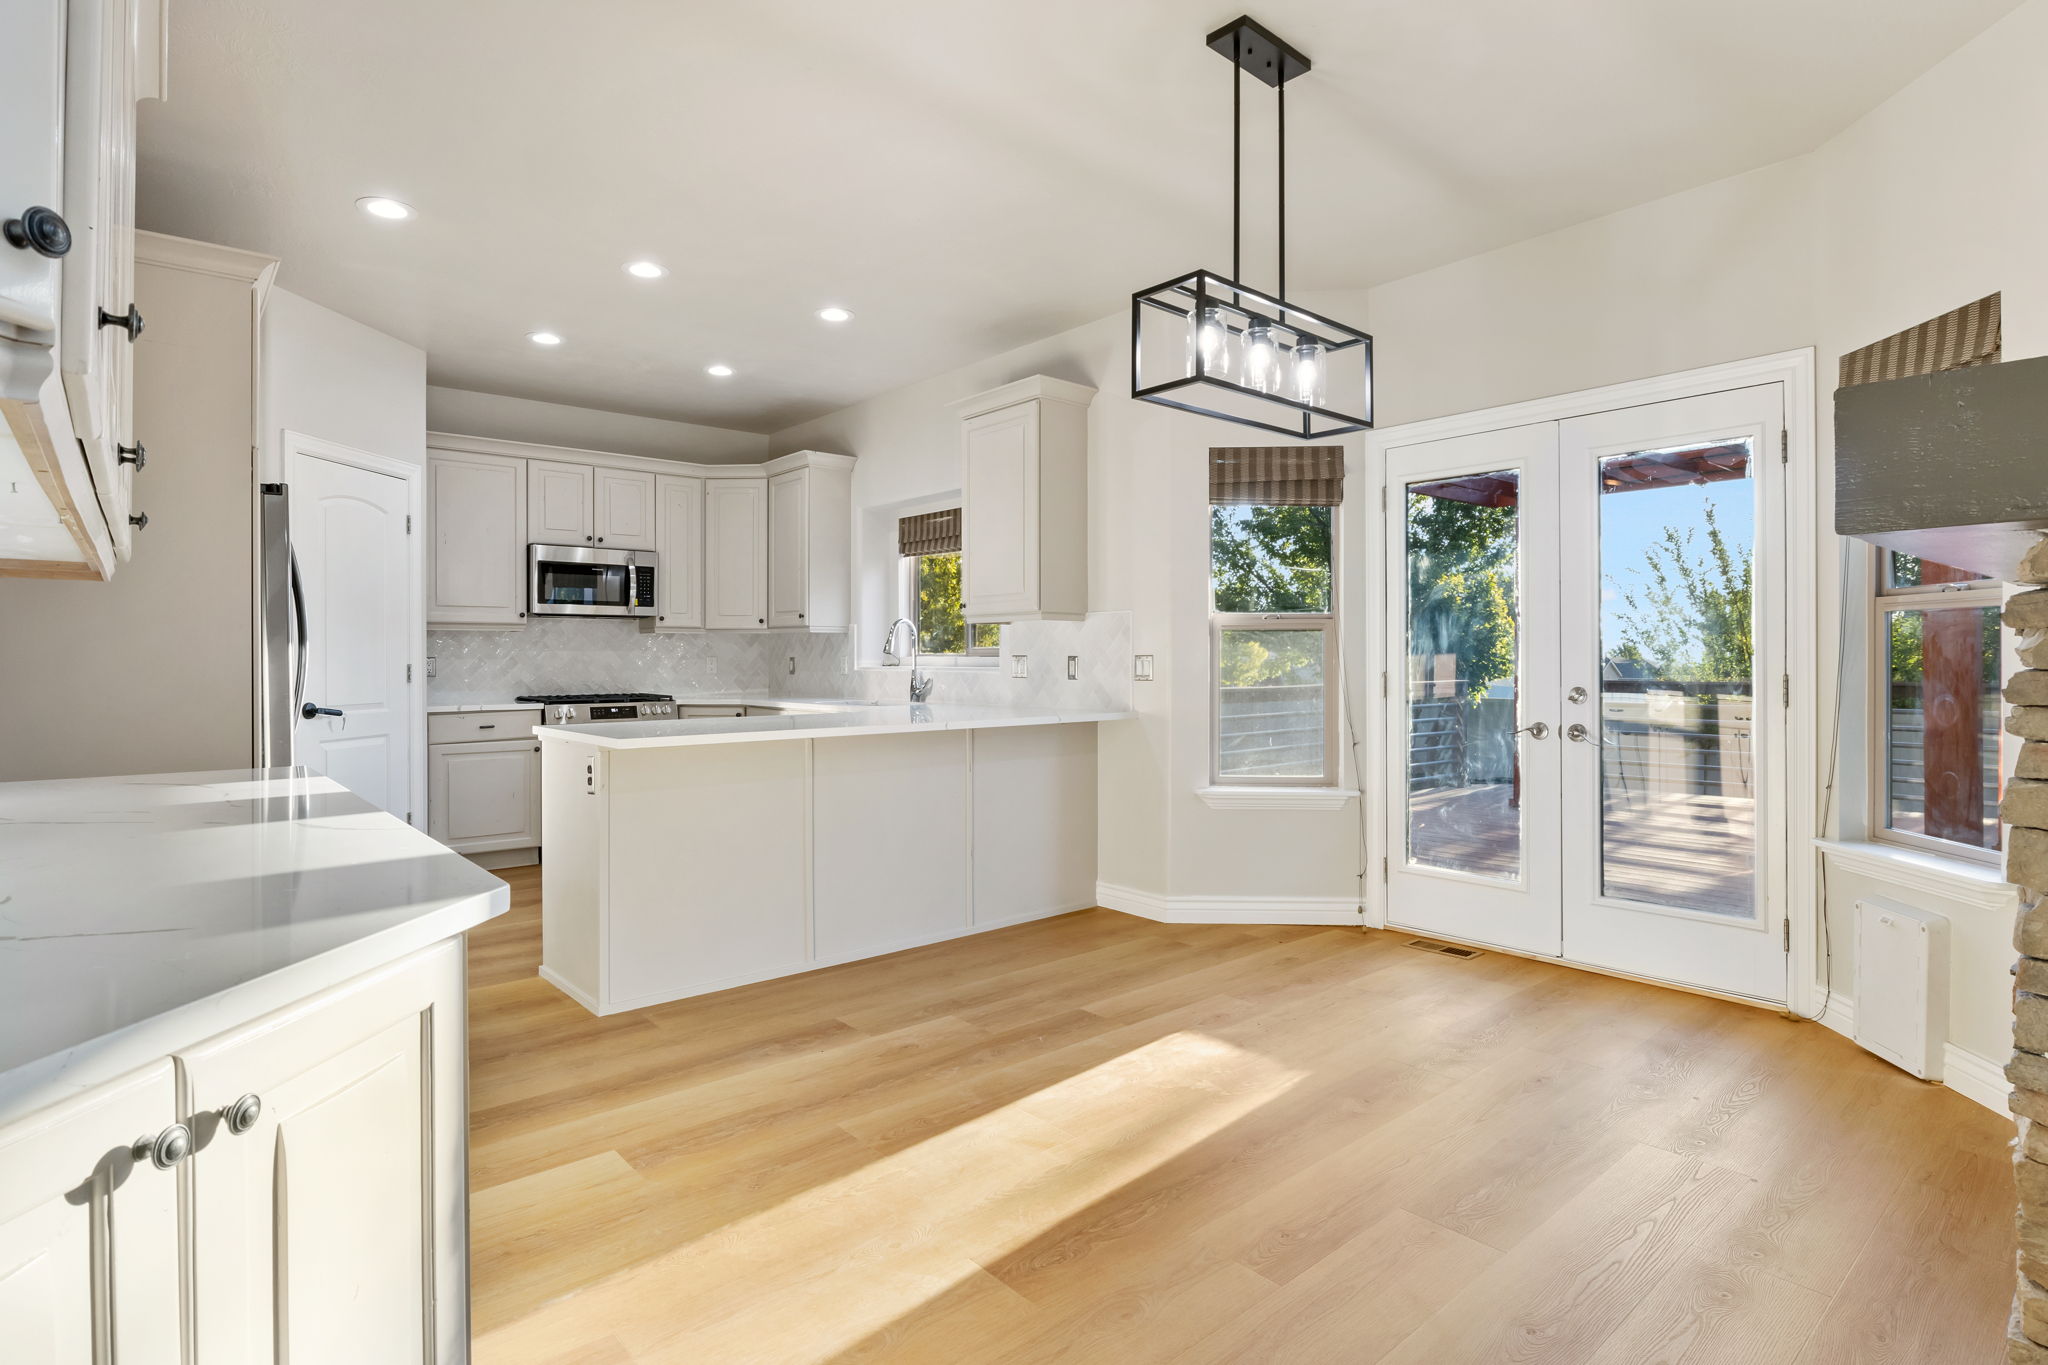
(1023,391)
(1229,909)
(1978,885)
(530,450)
(203,258)
(1975,1077)
(1276,798)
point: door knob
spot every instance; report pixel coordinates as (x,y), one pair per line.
(241,1116)
(1577,733)
(1534,730)
(166,1149)
(129,322)
(41,230)
(309,710)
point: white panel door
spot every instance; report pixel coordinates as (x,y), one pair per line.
(1472,831)
(559,503)
(1673,631)
(348,527)
(679,528)
(789,548)
(315,1232)
(625,509)
(484,794)
(476,519)
(735,554)
(88,1234)
(999,513)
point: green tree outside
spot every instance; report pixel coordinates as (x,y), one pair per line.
(1461,587)
(1277,560)
(1687,610)
(940,629)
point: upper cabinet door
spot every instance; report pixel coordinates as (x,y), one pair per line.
(559,502)
(31,160)
(789,548)
(88,1233)
(625,509)
(1000,508)
(736,557)
(679,528)
(476,544)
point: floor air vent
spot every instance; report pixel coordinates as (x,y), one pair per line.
(1430,945)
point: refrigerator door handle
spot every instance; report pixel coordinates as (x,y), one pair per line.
(299,616)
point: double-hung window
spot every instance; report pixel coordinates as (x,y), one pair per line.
(928,545)
(1272,613)
(1937,675)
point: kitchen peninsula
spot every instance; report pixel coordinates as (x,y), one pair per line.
(689,856)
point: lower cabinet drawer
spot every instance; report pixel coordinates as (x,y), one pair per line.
(454,727)
(699,712)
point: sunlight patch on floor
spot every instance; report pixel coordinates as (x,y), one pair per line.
(799,1283)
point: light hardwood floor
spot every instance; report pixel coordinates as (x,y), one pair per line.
(1098,1139)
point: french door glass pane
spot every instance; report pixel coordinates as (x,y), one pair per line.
(1270,719)
(1461,675)
(1942,724)
(1677,692)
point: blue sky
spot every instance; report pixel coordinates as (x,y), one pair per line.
(1632,522)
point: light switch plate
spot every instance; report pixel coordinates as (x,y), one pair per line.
(1019,666)
(1073,668)
(792,665)
(1141,667)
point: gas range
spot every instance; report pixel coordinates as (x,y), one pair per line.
(585,708)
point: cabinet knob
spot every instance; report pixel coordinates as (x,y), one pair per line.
(138,519)
(588,539)
(41,230)
(129,322)
(241,1116)
(600,540)
(166,1149)
(760,620)
(137,454)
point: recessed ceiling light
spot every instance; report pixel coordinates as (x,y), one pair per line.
(646,270)
(379,207)
(718,371)
(543,338)
(835,315)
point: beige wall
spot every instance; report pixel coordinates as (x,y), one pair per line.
(330,377)
(469,413)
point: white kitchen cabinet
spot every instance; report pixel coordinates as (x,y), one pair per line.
(476,546)
(70,75)
(332,1227)
(560,503)
(736,553)
(89,1234)
(1024,502)
(810,541)
(679,542)
(484,796)
(625,509)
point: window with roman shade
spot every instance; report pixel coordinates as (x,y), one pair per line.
(929,546)
(1272,613)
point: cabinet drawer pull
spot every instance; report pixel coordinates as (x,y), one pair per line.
(166,1149)
(39,229)
(129,322)
(241,1116)
(487,727)
(137,454)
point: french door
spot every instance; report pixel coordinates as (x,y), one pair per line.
(1586,640)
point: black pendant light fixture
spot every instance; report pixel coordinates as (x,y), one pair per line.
(1206,343)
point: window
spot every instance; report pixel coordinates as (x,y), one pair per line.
(1272,615)
(1938,729)
(929,588)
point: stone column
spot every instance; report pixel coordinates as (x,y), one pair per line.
(2025,809)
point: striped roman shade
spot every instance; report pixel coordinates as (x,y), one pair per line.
(1971,335)
(1276,476)
(929,533)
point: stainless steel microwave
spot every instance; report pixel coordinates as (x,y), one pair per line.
(583,580)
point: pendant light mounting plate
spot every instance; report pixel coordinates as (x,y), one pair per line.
(1258,51)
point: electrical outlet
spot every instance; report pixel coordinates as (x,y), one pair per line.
(1020,666)
(1141,667)
(792,665)
(1073,668)
(430,665)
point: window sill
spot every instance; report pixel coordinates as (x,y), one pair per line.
(1981,885)
(1276,798)
(941,665)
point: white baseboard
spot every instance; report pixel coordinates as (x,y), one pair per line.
(580,997)
(1229,909)
(1969,1074)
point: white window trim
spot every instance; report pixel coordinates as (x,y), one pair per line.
(1221,787)
(1878,670)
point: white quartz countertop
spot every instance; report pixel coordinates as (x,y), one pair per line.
(718,699)
(141,915)
(815,720)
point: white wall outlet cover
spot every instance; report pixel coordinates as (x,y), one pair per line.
(430,665)
(1019,666)
(1141,667)
(792,665)
(1073,668)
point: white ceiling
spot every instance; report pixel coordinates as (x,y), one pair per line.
(964,176)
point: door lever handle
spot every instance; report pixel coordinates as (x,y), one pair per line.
(309,710)
(1579,734)
(1535,729)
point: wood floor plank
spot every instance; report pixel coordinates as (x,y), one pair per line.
(1097,1138)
